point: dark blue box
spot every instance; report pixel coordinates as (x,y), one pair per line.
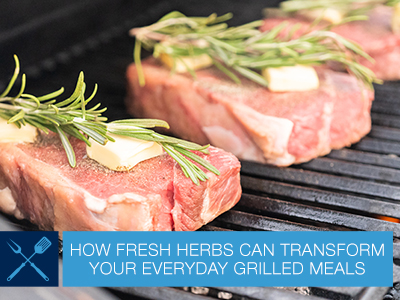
(40,270)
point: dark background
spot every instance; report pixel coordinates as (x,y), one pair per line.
(56,39)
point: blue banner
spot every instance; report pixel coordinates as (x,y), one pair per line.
(228,259)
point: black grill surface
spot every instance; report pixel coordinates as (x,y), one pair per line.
(349,189)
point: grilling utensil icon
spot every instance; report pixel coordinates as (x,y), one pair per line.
(40,247)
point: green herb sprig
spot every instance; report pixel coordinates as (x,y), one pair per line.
(348,7)
(245,49)
(72,117)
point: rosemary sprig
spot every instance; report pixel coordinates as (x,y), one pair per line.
(347,7)
(72,117)
(245,49)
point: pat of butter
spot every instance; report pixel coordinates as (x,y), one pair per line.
(291,79)
(195,63)
(396,18)
(330,15)
(10,133)
(124,153)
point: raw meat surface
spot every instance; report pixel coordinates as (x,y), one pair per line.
(249,120)
(37,183)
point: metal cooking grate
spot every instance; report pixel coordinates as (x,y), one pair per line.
(350,189)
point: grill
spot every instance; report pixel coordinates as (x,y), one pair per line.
(357,188)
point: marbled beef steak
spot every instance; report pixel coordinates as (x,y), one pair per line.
(249,120)
(37,183)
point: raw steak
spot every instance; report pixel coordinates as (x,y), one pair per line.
(37,183)
(375,36)
(249,120)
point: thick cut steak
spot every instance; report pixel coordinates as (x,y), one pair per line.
(37,183)
(375,36)
(249,120)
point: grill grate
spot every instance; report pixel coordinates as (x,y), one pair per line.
(346,190)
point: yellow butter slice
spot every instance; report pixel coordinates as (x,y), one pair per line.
(124,153)
(10,133)
(291,79)
(194,62)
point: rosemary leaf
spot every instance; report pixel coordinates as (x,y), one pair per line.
(227,72)
(251,75)
(96,136)
(32,120)
(172,15)
(16,117)
(23,83)
(147,123)
(13,78)
(67,146)
(37,101)
(51,95)
(198,159)
(71,130)
(189,170)
(138,45)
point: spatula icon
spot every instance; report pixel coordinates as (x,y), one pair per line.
(40,247)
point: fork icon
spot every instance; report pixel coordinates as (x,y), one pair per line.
(40,247)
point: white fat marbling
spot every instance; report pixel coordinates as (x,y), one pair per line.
(127,197)
(95,204)
(99,206)
(8,203)
(226,139)
(271,134)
